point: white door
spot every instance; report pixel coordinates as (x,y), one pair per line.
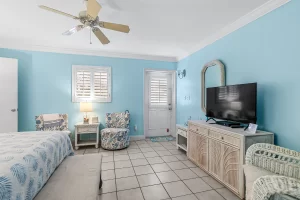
(159,100)
(9,95)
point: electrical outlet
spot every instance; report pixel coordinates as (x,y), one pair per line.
(135,127)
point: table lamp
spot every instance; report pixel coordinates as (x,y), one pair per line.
(86,107)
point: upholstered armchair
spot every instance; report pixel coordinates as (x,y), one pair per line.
(272,172)
(116,134)
(51,122)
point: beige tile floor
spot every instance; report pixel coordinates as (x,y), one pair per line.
(155,171)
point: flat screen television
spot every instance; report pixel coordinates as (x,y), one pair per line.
(233,103)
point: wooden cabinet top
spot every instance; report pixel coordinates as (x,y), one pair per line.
(183,127)
(238,132)
(80,124)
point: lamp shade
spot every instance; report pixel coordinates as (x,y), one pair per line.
(86,107)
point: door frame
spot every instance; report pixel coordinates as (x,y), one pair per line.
(174,105)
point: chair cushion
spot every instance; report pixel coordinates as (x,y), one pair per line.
(114,138)
(114,130)
(76,178)
(252,173)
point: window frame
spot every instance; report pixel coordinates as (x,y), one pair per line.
(92,69)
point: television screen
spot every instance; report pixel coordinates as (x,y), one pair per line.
(233,103)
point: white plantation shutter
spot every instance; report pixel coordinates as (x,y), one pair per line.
(83,84)
(159,91)
(101,85)
(91,84)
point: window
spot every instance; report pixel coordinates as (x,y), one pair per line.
(159,91)
(91,84)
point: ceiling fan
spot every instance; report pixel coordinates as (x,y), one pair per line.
(89,18)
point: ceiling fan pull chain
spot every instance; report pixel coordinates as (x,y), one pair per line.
(90,35)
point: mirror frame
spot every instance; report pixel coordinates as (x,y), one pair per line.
(222,79)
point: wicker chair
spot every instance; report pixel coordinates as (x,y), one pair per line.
(116,135)
(272,172)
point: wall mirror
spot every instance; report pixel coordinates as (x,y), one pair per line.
(212,75)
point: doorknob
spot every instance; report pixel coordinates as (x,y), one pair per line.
(13,110)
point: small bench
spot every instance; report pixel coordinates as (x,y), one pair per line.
(76,178)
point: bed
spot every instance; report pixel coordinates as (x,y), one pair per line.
(28,159)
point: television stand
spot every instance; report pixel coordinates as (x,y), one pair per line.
(210,118)
(230,150)
(227,123)
(223,123)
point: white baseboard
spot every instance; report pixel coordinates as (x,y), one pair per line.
(137,137)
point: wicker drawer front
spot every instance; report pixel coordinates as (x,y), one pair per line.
(181,132)
(87,129)
(225,138)
(198,129)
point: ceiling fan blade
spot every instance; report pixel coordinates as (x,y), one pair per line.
(99,34)
(115,27)
(74,30)
(93,8)
(57,11)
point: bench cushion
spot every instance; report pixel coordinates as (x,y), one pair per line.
(76,178)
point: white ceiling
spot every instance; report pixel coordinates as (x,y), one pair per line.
(169,28)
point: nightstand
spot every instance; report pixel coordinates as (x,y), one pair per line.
(181,137)
(81,129)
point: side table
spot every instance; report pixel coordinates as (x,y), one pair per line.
(181,137)
(81,129)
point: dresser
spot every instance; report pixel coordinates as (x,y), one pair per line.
(220,151)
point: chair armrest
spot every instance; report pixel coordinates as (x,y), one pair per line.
(267,186)
(275,159)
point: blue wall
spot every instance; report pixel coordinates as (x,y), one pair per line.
(45,86)
(265,51)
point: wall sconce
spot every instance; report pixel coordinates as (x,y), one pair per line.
(181,74)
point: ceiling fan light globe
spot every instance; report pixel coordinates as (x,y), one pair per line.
(82,14)
(74,30)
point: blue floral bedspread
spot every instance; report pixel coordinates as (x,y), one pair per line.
(27,160)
